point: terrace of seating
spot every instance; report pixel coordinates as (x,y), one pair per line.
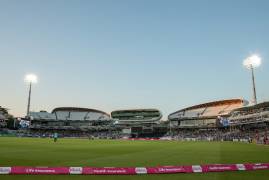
(42,115)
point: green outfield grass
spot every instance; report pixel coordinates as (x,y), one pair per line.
(107,153)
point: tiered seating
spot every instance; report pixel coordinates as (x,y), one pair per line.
(62,115)
(77,115)
(224,110)
(96,116)
(214,110)
(231,107)
(43,115)
(194,113)
(191,123)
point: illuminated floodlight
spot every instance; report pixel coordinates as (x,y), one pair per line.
(252,61)
(31,78)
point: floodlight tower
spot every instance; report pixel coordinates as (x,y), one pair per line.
(31,79)
(251,63)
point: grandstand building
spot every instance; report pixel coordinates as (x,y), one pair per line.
(250,115)
(69,118)
(204,115)
(137,122)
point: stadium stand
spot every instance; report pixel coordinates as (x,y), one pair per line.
(62,115)
(226,120)
(213,111)
(139,122)
(69,120)
(42,115)
(250,115)
(137,116)
(70,113)
(246,124)
(194,113)
(205,115)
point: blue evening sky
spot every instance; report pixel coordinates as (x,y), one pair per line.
(117,54)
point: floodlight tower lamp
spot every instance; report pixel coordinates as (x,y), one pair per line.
(31,79)
(252,62)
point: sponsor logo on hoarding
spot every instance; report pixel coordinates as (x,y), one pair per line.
(241,167)
(5,170)
(75,170)
(174,169)
(220,168)
(38,170)
(137,170)
(141,170)
(110,171)
(197,169)
(260,166)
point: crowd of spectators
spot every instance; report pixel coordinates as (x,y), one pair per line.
(71,134)
(258,134)
(260,108)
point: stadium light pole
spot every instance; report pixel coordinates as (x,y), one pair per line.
(31,79)
(251,63)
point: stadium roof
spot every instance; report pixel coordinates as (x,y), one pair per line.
(212,104)
(215,103)
(78,109)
